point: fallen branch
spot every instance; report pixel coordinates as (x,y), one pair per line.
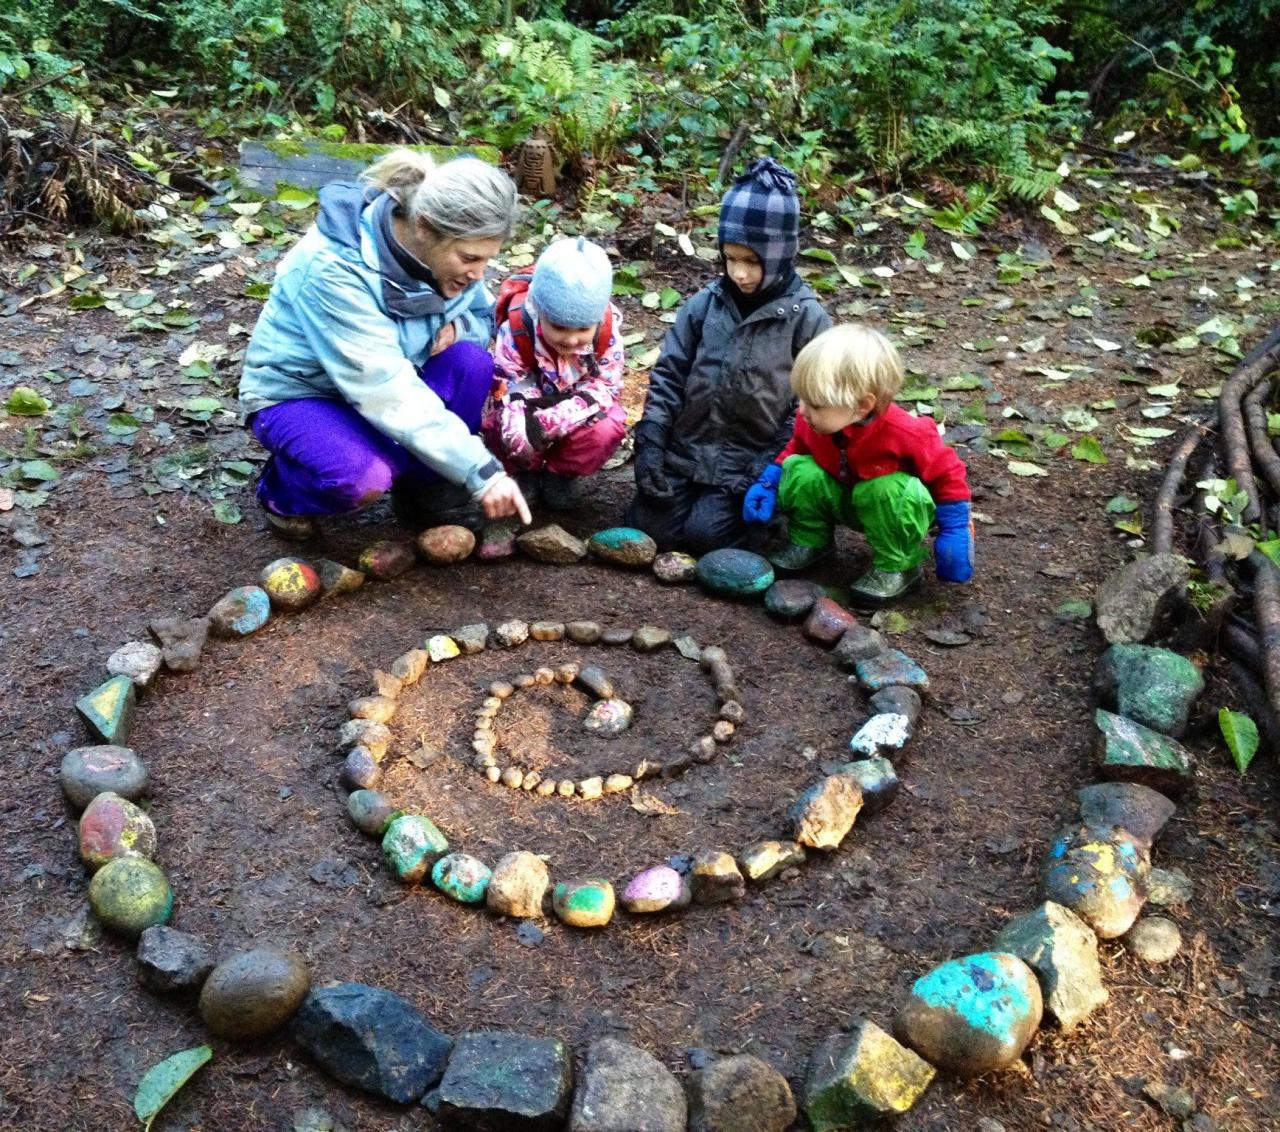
(1162,520)
(1266,615)
(1251,370)
(1255,426)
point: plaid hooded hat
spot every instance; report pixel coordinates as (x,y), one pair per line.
(762,212)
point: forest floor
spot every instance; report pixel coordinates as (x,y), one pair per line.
(1062,362)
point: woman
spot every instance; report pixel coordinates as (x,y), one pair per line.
(369,367)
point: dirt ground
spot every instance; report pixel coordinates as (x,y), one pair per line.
(252,825)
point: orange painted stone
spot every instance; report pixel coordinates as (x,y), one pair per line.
(291,584)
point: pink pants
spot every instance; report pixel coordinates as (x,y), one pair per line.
(582,453)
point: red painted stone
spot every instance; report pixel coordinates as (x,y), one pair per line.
(828,621)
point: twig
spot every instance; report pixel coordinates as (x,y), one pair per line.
(47,80)
(730,154)
(1162,520)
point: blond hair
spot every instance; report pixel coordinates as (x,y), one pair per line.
(844,365)
(465,198)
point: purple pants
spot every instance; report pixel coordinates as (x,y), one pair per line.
(326,459)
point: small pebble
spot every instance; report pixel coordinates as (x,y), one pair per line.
(531,779)
(1153,939)
(511,633)
(524,680)
(616,635)
(566,788)
(591,788)
(567,673)
(650,638)
(583,632)
(492,773)
(703,750)
(501,690)
(513,777)
(734,712)
(723,731)
(544,676)
(546,787)
(547,630)
(616,783)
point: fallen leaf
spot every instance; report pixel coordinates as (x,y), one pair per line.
(161,1082)
(1021,468)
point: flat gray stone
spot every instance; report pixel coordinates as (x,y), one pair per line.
(1153,939)
(1063,952)
(877,780)
(740,1094)
(552,544)
(1129,604)
(89,771)
(1138,810)
(859,642)
(498,1081)
(626,1089)
(898,699)
(138,660)
(172,961)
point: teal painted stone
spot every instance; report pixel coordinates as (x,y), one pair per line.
(109,708)
(461,876)
(1152,686)
(129,895)
(1133,753)
(411,845)
(972,1015)
(371,811)
(241,612)
(1100,875)
(584,903)
(861,1078)
(623,546)
(501,1080)
(1063,952)
(889,669)
(735,573)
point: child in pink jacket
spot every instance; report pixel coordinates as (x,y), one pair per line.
(554,414)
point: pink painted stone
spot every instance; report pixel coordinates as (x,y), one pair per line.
(386,559)
(657,889)
(443,545)
(828,621)
(112,827)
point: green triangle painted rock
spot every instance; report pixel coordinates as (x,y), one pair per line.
(108,710)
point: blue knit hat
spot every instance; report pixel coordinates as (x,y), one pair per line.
(572,282)
(762,212)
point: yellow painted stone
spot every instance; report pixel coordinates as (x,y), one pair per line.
(108,709)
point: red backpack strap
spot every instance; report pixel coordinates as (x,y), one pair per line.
(605,333)
(522,336)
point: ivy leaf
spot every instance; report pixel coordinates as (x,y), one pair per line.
(25,402)
(227,512)
(294,199)
(1241,735)
(1089,450)
(86,302)
(161,1082)
(821,254)
(122,424)
(38,471)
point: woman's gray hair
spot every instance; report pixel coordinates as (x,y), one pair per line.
(464,198)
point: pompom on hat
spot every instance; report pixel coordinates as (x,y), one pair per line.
(762,212)
(572,282)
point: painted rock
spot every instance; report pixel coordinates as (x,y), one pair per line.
(472,638)
(411,845)
(649,638)
(181,641)
(858,642)
(595,682)
(583,903)
(1129,806)
(791,599)
(89,771)
(1153,939)
(360,770)
(1063,952)
(291,584)
(740,1094)
(823,815)
(877,780)
(582,632)
(335,578)
(714,878)
(444,545)
(371,811)
(1133,753)
(623,546)
(108,710)
(171,961)
(112,827)
(890,668)
(547,630)
(501,1080)
(497,541)
(972,1015)
(659,888)
(553,545)
(517,886)
(253,993)
(675,568)
(129,895)
(1169,887)
(622,1087)
(766,859)
(442,647)
(735,573)
(373,1039)
(373,737)
(1100,875)
(898,699)
(883,734)
(828,621)
(509,634)
(608,718)
(1152,686)
(861,1078)
(461,876)
(138,660)
(386,559)
(240,613)
(409,667)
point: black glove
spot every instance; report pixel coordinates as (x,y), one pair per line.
(651,460)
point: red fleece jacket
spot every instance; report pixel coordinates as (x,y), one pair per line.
(893,441)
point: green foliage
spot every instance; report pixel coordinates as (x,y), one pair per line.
(160,1083)
(970,213)
(1241,736)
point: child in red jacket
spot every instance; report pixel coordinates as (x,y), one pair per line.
(858,459)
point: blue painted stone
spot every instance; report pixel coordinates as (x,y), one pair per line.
(463,877)
(973,1014)
(1100,875)
(108,710)
(735,573)
(242,611)
(411,845)
(623,546)
(891,668)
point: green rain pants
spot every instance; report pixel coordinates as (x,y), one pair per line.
(895,511)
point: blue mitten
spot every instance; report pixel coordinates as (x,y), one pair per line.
(953,548)
(762,496)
